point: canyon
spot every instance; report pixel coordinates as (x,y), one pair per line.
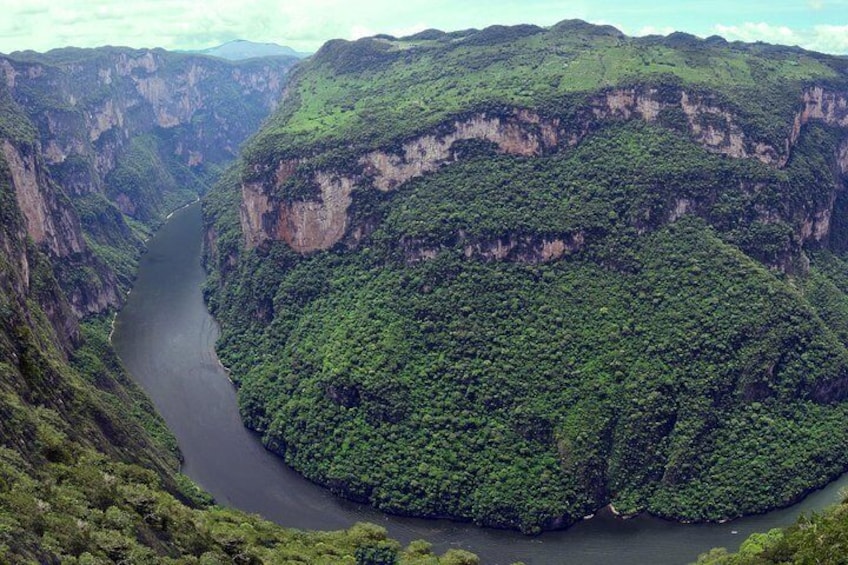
(112,135)
(310,224)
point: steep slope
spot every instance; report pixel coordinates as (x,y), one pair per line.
(88,471)
(516,274)
(107,141)
(819,538)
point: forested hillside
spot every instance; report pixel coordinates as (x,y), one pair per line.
(103,143)
(517,274)
(96,147)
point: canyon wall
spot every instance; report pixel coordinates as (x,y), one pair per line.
(94,135)
(321,222)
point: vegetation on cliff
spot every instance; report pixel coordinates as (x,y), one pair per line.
(520,340)
(88,474)
(815,538)
(88,470)
(377,91)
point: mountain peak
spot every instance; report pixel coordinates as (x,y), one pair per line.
(240,49)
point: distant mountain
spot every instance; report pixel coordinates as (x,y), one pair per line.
(240,49)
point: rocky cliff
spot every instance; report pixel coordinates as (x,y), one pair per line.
(319,223)
(88,104)
(23,273)
(532,272)
(111,133)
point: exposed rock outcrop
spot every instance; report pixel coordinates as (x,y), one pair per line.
(842,157)
(320,223)
(53,225)
(48,223)
(88,112)
(513,134)
(522,249)
(818,104)
(23,276)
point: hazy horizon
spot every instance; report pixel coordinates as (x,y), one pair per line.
(41,25)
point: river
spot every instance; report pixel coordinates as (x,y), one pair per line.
(166,337)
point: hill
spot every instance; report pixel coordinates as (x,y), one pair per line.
(819,538)
(516,274)
(241,49)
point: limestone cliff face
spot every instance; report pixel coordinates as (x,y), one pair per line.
(522,249)
(48,223)
(842,157)
(818,104)
(322,222)
(319,224)
(522,133)
(52,224)
(23,276)
(88,110)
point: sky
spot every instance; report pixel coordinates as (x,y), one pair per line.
(821,25)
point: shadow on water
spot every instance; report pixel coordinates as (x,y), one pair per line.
(166,339)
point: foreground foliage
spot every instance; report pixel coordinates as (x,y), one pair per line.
(817,538)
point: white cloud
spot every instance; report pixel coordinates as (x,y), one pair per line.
(829,39)
(750,31)
(824,38)
(306,24)
(653,30)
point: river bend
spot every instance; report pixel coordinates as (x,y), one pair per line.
(166,337)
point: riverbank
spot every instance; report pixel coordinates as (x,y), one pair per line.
(166,339)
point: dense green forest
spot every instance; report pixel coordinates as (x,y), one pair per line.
(83,481)
(682,352)
(664,371)
(815,538)
(88,470)
(87,475)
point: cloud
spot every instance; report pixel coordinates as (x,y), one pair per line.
(653,30)
(189,24)
(824,38)
(829,39)
(750,31)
